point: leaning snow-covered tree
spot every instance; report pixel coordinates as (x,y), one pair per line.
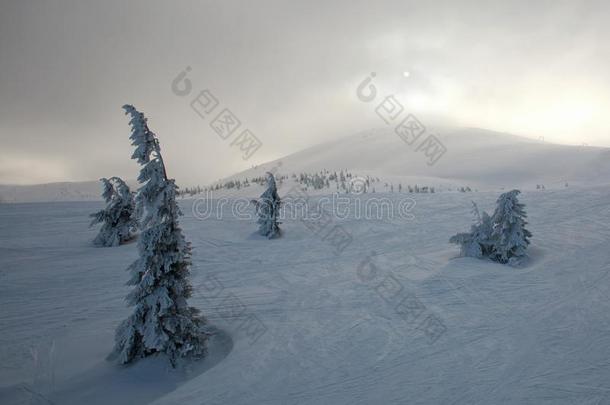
(268,210)
(509,234)
(118,218)
(162,321)
(476,243)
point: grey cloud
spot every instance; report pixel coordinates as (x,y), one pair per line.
(285,68)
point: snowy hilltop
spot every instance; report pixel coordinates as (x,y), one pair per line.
(474,158)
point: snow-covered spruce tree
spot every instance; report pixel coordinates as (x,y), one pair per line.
(510,238)
(162,321)
(476,243)
(268,209)
(118,219)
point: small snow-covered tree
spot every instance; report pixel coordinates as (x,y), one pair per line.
(468,247)
(510,238)
(162,321)
(483,234)
(119,223)
(476,243)
(268,209)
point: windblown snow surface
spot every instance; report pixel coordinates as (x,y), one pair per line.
(394,318)
(333,335)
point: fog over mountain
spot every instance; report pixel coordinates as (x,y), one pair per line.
(289,72)
(475,158)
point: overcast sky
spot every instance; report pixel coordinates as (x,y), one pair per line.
(288,70)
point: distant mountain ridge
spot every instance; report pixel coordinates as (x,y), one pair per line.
(477,157)
(62,191)
(49,192)
(474,157)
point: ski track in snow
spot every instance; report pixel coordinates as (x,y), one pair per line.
(531,335)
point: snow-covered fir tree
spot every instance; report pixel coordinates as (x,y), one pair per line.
(119,223)
(501,237)
(268,210)
(510,238)
(162,321)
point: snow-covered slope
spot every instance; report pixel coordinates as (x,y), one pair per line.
(333,331)
(66,191)
(475,157)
